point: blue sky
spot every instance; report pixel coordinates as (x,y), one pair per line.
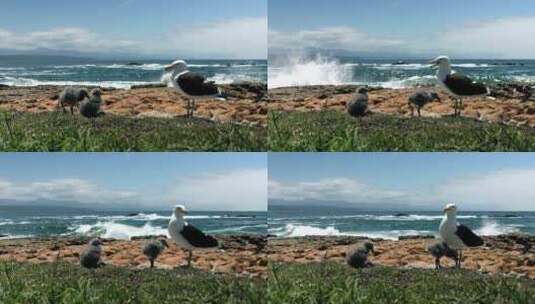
(478,181)
(478,28)
(160,28)
(203,181)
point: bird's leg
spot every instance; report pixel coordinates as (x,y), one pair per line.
(189,258)
(460,259)
(72,110)
(189,108)
(437,263)
(412,111)
(151,263)
(419,115)
(193,107)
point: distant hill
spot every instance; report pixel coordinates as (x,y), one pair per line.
(342,205)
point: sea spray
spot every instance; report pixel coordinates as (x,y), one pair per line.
(491,227)
(300,71)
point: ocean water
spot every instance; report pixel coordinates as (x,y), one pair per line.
(35,222)
(33,71)
(318,70)
(390,225)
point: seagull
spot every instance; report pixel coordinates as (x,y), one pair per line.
(186,235)
(357,255)
(357,106)
(440,249)
(90,107)
(455,83)
(90,257)
(420,99)
(153,249)
(191,85)
(455,235)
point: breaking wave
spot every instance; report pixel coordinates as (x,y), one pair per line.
(305,72)
(118,230)
(291,230)
(490,228)
(27,82)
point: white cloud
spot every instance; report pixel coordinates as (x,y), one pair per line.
(331,38)
(335,189)
(498,190)
(505,38)
(64,38)
(239,38)
(68,190)
(234,38)
(236,190)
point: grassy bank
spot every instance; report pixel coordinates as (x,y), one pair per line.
(56,131)
(66,283)
(337,131)
(337,283)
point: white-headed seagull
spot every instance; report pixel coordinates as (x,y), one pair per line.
(186,235)
(192,85)
(455,235)
(455,83)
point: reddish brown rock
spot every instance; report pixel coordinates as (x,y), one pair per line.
(510,109)
(245,105)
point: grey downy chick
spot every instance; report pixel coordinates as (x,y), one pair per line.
(153,249)
(90,107)
(440,249)
(71,97)
(358,106)
(357,255)
(91,256)
(420,98)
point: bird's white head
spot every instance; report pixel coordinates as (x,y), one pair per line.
(180,211)
(440,62)
(178,66)
(450,209)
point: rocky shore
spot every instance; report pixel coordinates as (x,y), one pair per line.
(507,254)
(246,102)
(243,255)
(513,103)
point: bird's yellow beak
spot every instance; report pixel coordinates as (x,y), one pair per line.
(433,63)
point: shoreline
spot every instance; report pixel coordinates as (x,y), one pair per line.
(507,107)
(510,254)
(246,102)
(243,255)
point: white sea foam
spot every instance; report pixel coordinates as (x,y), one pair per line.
(27,82)
(490,227)
(373,217)
(117,230)
(304,72)
(524,78)
(294,230)
(471,65)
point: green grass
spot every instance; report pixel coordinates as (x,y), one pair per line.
(337,131)
(66,283)
(56,131)
(337,283)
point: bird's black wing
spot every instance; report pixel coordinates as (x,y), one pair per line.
(462,85)
(468,237)
(197,238)
(195,85)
